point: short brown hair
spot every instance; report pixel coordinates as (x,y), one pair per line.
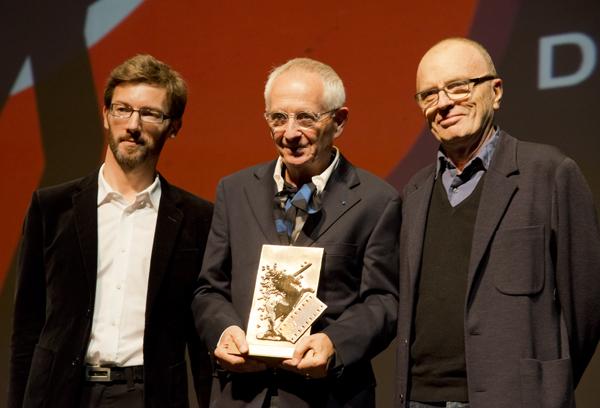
(145,69)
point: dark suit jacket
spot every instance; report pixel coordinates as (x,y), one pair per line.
(56,290)
(358,227)
(532,312)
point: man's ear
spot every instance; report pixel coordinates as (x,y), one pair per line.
(105,117)
(498,91)
(174,127)
(340,118)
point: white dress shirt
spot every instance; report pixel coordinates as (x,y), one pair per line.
(125,239)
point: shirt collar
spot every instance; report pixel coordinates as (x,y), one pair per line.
(320,180)
(484,155)
(107,194)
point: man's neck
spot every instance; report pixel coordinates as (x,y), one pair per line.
(298,177)
(128,182)
(462,155)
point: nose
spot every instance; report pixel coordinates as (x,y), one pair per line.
(443,100)
(134,121)
(291,128)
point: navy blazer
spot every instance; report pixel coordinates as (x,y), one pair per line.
(56,290)
(358,227)
(532,312)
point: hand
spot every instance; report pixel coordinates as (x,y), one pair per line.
(232,352)
(311,356)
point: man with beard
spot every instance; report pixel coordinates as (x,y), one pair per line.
(108,264)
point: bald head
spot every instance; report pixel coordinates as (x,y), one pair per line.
(454,58)
(459,78)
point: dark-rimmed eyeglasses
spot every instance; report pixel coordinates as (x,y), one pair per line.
(278,120)
(455,90)
(148,115)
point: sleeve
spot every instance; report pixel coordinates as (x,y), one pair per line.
(577,263)
(200,361)
(367,327)
(30,304)
(212,307)
(201,366)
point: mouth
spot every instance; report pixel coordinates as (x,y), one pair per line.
(449,120)
(128,141)
(295,149)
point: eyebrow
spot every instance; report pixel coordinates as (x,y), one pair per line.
(140,107)
(445,83)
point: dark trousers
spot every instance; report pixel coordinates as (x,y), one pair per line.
(117,395)
(414,404)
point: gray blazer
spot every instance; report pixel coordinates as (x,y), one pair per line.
(532,312)
(358,226)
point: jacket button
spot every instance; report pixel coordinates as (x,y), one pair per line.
(401,398)
(76,362)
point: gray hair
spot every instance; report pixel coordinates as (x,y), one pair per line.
(334,95)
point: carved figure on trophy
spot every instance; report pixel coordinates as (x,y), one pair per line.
(280,294)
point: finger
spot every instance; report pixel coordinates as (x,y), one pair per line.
(226,359)
(239,338)
(299,351)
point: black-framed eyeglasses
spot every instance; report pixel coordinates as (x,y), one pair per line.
(277,120)
(455,90)
(148,115)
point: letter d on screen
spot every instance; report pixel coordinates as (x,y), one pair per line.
(546,78)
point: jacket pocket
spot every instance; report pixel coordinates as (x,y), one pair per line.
(340,274)
(547,384)
(518,260)
(36,392)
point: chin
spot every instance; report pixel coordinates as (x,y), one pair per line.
(295,162)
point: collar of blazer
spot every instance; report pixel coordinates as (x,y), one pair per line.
(500,185)
(168,223)
(339,196)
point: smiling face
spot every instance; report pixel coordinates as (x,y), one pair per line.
(131,142)
(459,125)
(305,152)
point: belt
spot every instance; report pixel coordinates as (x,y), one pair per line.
(114,374)
(442,403)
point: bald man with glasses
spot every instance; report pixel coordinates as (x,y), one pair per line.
(499,300)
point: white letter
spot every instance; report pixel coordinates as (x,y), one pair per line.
(546,79)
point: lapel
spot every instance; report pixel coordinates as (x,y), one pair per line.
(498,189)
(416,203)
(85,215)
(338,197)
(168,223)
(260,195)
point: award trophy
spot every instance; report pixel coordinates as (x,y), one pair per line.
(284,305)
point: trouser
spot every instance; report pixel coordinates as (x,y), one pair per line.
(447,404)
(117,395)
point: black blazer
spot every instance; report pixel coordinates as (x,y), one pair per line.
(532,312)
(56,288)
(358,226)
